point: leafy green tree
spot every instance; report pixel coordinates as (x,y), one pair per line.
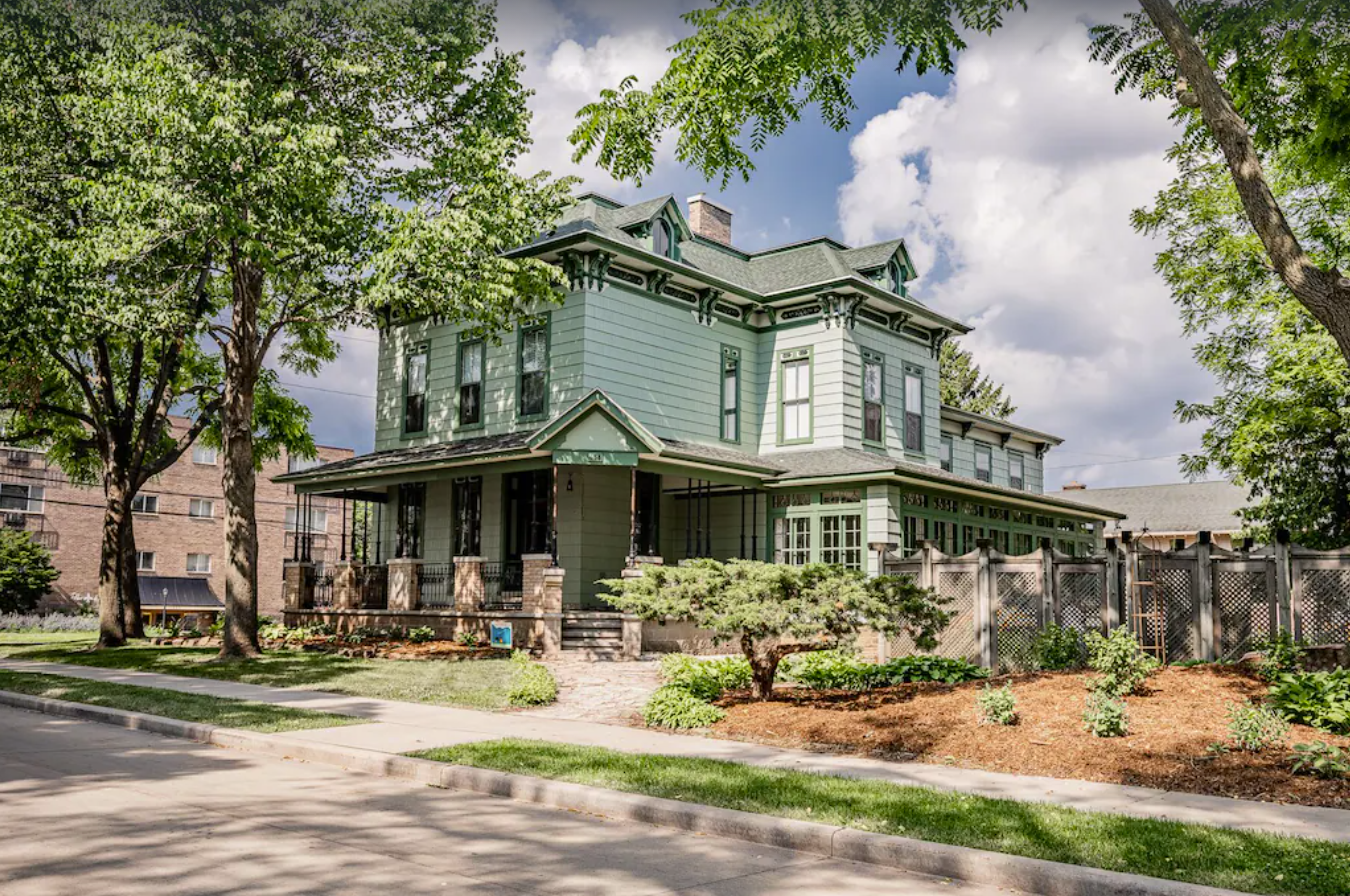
(1281,424)
(26,572)
(328,162)
(772,610)
(752,67)
(967,387)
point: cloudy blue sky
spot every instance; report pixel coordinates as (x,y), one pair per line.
(1011,181)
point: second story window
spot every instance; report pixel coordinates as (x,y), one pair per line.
(731,395)
(794,391)
(296,464)
(415,391)
(145,561)
(532,394)
(913,409)
(984,463)
(199,563)
(945,453)
(204,454)
(471,383)
(145,504)
(317,520)
(1017,470)
(873,408)
(21,498)
(201,508)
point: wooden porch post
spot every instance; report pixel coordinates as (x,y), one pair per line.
(343,548)
(553,520)
(754,525)
(742,553)
(632,516)
(688,518)
(295,534)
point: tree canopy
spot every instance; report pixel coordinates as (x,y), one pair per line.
(967,387)
(26,572)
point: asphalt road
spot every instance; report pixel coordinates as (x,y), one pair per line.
(91,810)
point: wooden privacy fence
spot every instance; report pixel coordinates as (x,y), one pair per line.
(1199,603)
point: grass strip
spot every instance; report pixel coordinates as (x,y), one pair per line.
(476,684)
(222,711)
(33,638)
(1194,853)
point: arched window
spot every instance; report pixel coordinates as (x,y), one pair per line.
(663,243)
(894,276)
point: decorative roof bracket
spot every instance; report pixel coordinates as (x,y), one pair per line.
(707,301)
(898,320)
(938,338)
(658,280)
(768,311)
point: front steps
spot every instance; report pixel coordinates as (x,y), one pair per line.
(592,635)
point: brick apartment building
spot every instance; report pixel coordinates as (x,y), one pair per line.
(179,526)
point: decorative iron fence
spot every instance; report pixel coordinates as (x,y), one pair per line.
(321,585)
(372,583)
(437,582)
(503,585)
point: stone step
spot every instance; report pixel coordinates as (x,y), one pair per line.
(594,654)
(586,616)
(607,625)
(591,640)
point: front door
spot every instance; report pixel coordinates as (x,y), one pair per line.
(528,517)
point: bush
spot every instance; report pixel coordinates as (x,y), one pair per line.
(531,683)
(1056,648)
(1279,655)
(1319,699)
(674,707)
(26,571)
(706,679)
(1321,759)
(55,622)
(1106,715)
(1252,727)
(841,670)
(421,635)
(1121,664)
(997,706)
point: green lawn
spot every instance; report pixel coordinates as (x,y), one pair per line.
(171,704)
(478,684)
(1252,863)
(84,638)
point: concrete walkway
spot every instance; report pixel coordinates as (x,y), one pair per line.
(402,727)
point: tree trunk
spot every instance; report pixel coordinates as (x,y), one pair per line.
(1326,294)
(132,624)
(111,631)
(763,668)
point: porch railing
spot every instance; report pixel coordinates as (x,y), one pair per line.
(438,585)
(321,583)
(372,583)
(503,585)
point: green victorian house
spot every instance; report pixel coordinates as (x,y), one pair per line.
(686,399)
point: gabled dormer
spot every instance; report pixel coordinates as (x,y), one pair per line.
(886,264)
(658,224)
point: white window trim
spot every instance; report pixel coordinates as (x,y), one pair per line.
(151,555)
(197,572)
(211,509)
(215,455)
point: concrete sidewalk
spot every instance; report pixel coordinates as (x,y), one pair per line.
(401,727)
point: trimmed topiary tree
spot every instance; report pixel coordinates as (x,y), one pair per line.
(26,572)
(772,610)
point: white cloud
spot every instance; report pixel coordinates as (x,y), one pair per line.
(1017,184)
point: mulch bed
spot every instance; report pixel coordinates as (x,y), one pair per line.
(370,648)
(1171,727)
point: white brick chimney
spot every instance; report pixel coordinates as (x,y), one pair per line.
(708,219)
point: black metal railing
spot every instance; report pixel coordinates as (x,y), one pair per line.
(438,584)
(321,585)
(503,585)
(372,584)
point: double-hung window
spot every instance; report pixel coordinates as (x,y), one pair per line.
(913,409)
(873,390)
(945,453)
(731,395)
(201,508)
(471,383)
(315,521)
(532,395)
(199,563)
(204,454)
(1017,470)
(21,498)
(145,504)
(794,391)
(415,391)
(145,561)
(984,463)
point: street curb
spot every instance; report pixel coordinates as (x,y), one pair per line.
(918,856)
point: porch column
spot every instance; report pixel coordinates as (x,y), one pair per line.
(405,585)
(469,583)
(541,594)
(298,585)
(346,592)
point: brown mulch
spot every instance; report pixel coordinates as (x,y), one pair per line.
(393,650)
(1171,727)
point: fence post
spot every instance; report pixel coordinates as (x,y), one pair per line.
(1112,584)
(1047,582)
(1131,572)
(984,602)
(1204,589)
(1284,578)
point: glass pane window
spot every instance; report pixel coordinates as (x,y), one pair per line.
(913,410)
(21,498)
(299,464)
(662,244)
(471,384)
(647,525)
(1016,470)
(841,540)
(201,508)
(468,509)
(792,540)
(872,398)
(199,563)
(204,454)
(145,561)
(796,404)
(533,371)
(145,504)
(945,453)
(415,397)
(412,502)
(318,520)
(731,396)
(984,463)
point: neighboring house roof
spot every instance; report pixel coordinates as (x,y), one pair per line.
(1178,507)
(177,593)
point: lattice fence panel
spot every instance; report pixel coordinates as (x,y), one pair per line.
(958,639)
(1177,590)
(1243,606)
(1017,618)
(1326,606)
(1081,601)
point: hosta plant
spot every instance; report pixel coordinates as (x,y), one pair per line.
(997,706)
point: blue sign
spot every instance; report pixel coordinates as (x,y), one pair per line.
(501,634)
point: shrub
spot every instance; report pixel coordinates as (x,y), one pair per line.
(1252,727)
(997,706)
(468,639)
(54,622)
(1319,699)
(1106,715)
(1056,648)
(706,679)
(1321,759)
(1279,655)
(26,571)
(531,683)
(1121,664)
(840,670)
(674,707)
(421,635)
